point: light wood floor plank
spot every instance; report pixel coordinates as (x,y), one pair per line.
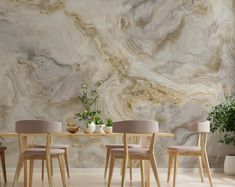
(94,178)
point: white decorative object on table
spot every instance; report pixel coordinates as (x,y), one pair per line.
(108,129)
(99,128)
(89,127)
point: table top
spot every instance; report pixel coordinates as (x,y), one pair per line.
(67,134)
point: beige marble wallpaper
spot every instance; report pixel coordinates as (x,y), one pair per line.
(167,60)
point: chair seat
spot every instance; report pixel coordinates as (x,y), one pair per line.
(121,145)
(184,148)
(56,146)
(132,151)
(41,151)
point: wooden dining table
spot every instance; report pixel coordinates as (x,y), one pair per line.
(80,134)
(70,135)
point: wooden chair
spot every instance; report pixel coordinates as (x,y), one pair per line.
(57,146)
(2,155)
(27,130)
(144,152)
(109,147)
(201,128)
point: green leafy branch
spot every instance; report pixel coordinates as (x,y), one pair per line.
(222,118)
(89,100)
(109,122)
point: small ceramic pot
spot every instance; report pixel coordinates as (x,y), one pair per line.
(108,129)
(99,128)
(72,128)
(229,164)
(89,128)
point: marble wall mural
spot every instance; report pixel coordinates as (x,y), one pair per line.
(167,60)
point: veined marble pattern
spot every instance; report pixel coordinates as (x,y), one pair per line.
(165,60)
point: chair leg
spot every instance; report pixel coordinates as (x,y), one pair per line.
(154,168)
(130,169)
(61,164)
(175,168)
(48,165)
(18,168)
(3,166)
(208,169)
(18,174)
(42,169)
(25,173)
(200,168)
(111,166)
(31,173)
(121,169)
(147,173)
(124,165)
(142,173)
(107,161)
(51,167)
(169,167)
(66,159)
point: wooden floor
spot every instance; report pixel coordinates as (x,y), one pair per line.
(85,177)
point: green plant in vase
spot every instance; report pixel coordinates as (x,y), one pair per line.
(90,116)
(89,99)
(99,124)
(97,119)
(108,126)
(222,119)
(109,122)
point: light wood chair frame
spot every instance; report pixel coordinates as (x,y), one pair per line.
(66,153)
(66,158)
(108,160)
(3,162)
(174,155)
(108,157)
(24,138)
(126,156)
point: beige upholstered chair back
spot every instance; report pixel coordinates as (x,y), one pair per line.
(135,126)
(203,126)
(202,129)
(138,127)
(28,129)
(37,126)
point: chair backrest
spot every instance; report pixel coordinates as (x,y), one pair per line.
(200,127)
(37,126)
(27,130)
(137,127)
(203,127)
